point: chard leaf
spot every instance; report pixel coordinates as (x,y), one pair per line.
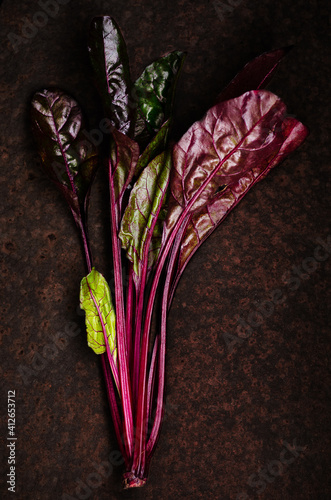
(154,92)
(110,63)
(255,75)
(155,147)
(141,221)
(156,240)
(124,154)
(95,300)
(68,157)
(202,223)
(234,138)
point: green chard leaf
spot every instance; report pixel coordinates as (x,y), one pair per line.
(154,93)
(156,241)
(95,300)
(68,157)
(110,63)
(142,222)
(155,147)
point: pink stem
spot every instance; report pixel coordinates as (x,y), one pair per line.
(114,407)
(125,388)
(140,288)
(160,396)
(140,451)
(141,415)
(130,300)
(140,455)
(105,358)
(151,378)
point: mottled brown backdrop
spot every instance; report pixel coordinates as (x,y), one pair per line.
(246,417)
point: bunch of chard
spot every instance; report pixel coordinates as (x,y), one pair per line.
(163,204)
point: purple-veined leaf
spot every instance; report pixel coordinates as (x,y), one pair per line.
(95,300)
(124,154)
(68,157)
(255,75)
(295,133)
(232,139)
(202,223)
(139,223)
(110,63)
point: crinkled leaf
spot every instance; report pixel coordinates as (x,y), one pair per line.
(110,63)
(156,241)
(68,157)
(95,299)
(140,217)
(295,133)
(255,75)
(232,139)
(154,92)
(202,223)
(124,154)
(155,147)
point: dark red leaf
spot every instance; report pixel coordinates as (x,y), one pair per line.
(203,223)
(221,157)
(255,75)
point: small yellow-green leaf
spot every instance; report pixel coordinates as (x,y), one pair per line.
(95,299)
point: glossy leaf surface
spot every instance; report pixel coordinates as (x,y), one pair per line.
(124,154)
(203,222)
(139,223)
(154,93)
(233,138)
(154,148)
(68,157)
(95,300)
(255,75)
(110,63)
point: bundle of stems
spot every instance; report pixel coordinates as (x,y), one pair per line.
(164,202)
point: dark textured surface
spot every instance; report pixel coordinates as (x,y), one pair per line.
(231,402)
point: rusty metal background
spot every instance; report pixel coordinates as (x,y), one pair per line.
(240,398)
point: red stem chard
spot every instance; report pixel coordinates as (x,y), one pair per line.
(67,157)
(164,203)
